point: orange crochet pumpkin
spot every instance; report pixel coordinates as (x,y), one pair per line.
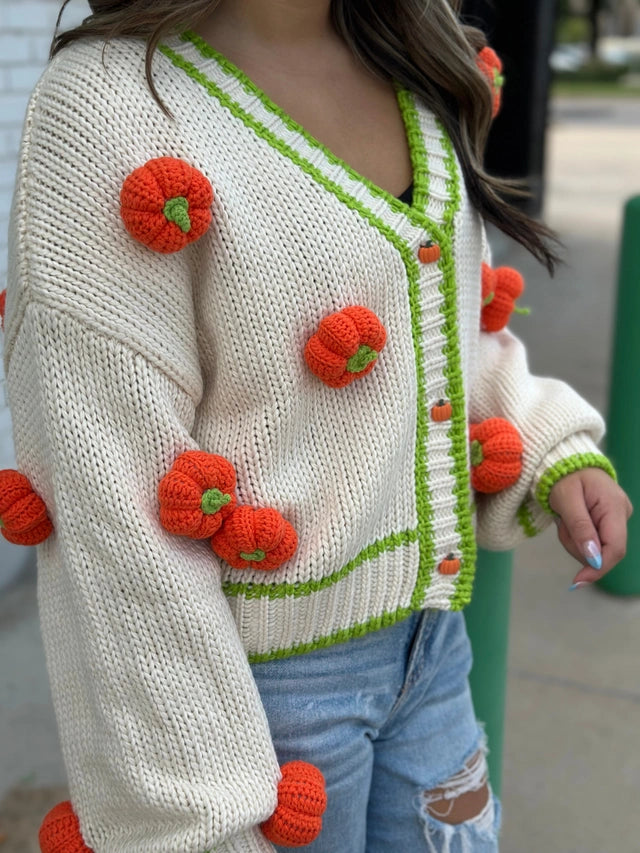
(500,289)
(197,494)
(3,304)
(496,455)
(302,800)
(60,831)
(490,64)
(255,538)
(23,514)
(450,565)
(166,203)
(346,346)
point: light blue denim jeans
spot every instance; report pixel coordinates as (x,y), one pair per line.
(386,717)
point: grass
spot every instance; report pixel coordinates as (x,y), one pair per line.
(591,88)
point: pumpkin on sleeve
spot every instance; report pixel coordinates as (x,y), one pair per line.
(500,289)
(496,455)
(346,346)
(197,494)
(23,514)
(302,800)
(166,204)
(255,538)
(60,831)
(3,304)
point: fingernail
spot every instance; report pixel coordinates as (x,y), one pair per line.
(593,555)
(579,585)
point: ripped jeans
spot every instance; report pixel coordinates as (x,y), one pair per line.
(388,719)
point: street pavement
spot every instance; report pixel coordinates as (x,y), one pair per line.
(572,735)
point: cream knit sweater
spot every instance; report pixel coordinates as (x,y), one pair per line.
(118,359)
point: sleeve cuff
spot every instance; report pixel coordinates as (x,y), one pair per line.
(574,453)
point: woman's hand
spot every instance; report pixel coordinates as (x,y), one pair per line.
(592,524)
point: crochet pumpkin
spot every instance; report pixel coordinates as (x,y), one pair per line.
(60,831)
(302,800)
(23,514)
(490,65)
(496,455)
(166,203)
(255,538)
(197,494)
(346,346)
(450,565)
(3,304)
(500,289)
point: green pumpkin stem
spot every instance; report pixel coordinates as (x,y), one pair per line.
(254,557)
(524,311)
(213,500)
(488,299)
(177,210)
(1,523)
(477,456)
(361,359)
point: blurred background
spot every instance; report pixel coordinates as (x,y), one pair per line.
(570,126)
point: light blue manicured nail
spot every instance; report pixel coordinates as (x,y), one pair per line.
(593,555)
(579,585)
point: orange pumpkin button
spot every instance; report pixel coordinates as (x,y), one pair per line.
(165,204)
(429,253)
(346,346)
(442,411)
(450,565)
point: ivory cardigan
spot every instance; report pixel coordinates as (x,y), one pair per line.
(118,359)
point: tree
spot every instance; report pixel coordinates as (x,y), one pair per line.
(595,7)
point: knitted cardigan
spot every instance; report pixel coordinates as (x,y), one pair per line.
(119,359)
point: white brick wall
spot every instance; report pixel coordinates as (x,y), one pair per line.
(26,30)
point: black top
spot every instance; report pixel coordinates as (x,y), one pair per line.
(407,195)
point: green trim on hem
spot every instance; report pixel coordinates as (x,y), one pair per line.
(567,466)
(525,519)
(385,620)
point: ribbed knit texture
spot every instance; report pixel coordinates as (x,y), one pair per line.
(120,357)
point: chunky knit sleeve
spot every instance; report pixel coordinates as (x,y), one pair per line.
(558,433)
(165,740)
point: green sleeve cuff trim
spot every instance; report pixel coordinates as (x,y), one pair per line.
(525,519)
(567,466)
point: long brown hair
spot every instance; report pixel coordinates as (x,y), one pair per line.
(420,43)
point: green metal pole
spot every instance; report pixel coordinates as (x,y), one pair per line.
(623,429)
(487,620)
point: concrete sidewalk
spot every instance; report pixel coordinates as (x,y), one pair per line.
(572,751)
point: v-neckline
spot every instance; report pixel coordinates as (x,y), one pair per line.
(408,111)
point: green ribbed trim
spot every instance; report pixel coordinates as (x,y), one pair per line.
(406,104)
(417,148)
(455,386)
(385,620)
(298,590)
(525,519)
(567,466)
(424,510)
